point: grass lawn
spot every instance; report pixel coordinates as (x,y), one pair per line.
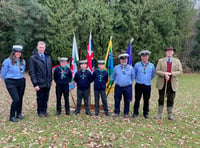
(85,131)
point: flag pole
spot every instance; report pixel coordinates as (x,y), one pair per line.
(107,51)
(109,89)
(89,98)
(73,99)
(131,41)
(105,62)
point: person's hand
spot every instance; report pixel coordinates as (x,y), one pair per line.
(37,88)
(167,75)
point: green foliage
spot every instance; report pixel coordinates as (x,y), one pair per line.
(153,24)
(9,12)
(60,28)
(96,17)
(195,54)
(31,26)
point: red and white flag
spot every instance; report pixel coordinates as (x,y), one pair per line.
(90,59)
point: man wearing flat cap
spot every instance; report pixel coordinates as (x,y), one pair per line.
(123,75)
(168,70)
(62,77)
(144,73)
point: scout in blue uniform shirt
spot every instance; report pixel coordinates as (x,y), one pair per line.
(62,77)
(100,77)
(123,75)
(12,73)
(83,78)
(144,73)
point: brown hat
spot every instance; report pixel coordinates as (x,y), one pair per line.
(170,48)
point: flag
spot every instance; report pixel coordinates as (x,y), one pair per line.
(109,66)
(90,59)
(75,58)
(129,51)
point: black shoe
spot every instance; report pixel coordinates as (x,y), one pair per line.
(116,115)
(146,116)
(126,116)
(76,112)
(57,113)
(46,114)
(135,115)
(67,113)
(96,114)
(107,114)
(20,117)
(88,113)
(13,119)
(41,115)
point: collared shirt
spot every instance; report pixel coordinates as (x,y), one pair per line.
(42,56)
(144,73)
(15,71)
(123,76)
(169,60)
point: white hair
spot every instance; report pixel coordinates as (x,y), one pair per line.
(41,42)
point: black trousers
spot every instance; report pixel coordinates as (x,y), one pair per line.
(16,89)
(42,100)
(170,95)
(62,90)
(141,89)
(82,94)
(104,101)
(127,94)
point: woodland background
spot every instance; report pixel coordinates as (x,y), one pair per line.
(154,24)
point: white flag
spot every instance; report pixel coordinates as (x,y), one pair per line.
(75,58)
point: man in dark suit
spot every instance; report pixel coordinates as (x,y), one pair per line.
(40,71)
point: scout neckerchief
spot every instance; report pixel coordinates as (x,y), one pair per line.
(100,76)
(83,74)
(21,66)
(123,69)
(144,66)
(62,71)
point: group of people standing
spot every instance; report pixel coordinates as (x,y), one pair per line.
(40,71)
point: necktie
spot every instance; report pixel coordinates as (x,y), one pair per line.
(43,58)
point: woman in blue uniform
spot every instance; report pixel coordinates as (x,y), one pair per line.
(12,73)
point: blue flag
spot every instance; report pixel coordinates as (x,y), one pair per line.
(129,51)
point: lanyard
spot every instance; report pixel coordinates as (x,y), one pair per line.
(144,66)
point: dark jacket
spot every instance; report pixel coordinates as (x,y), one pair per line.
(40,71)
(83,79)
(62,76)
(100,78)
